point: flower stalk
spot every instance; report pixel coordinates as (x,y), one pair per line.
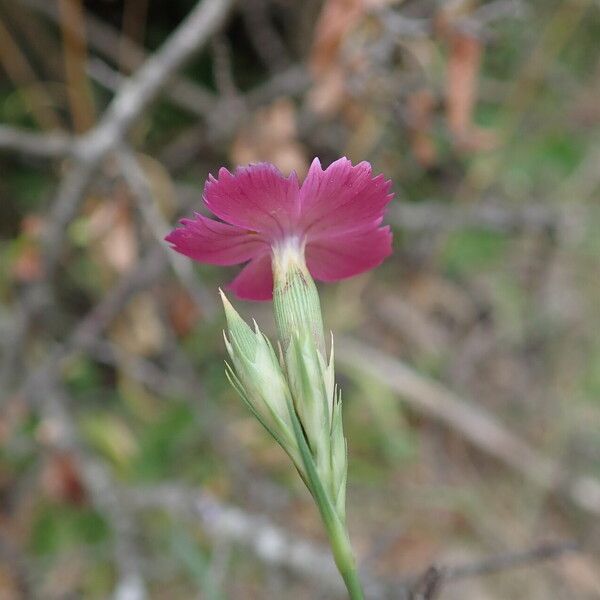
(329,228)
(295,397)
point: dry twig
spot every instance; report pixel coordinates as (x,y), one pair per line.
(125,52)
(281,549)
(137,181)
(471,421)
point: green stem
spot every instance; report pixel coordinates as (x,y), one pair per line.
(344,558)
(335,526)
(298,312)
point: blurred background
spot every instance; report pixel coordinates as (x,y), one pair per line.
(469,362)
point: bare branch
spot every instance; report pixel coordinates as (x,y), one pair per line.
(223,68)
(183,268)
(93,324)
(269,543)
(121,50)
(428,585)
(99,484)
(497,216)
(511,560)
(135,95)
(31,143)
(290,82)
(143,87)
(281,549)
(264,37)
(471,421)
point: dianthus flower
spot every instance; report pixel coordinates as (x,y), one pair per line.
(332,221)
(328,229)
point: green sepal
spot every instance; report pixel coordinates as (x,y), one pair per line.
(239,330)
(305,370)
(339,458)
(295,298)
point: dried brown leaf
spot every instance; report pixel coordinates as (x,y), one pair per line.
(183,311)
(112,235)
(420,113)
(62,481)
(461,84)
(464,64)
(336,21)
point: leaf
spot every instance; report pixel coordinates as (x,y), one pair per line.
(464,63)
(111,436)
(110,231)
(337,20)
(182,310)
(463,67)
(61,479)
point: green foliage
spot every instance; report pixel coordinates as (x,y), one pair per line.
(195,562)
(469,251)
(165,444)
(59,527)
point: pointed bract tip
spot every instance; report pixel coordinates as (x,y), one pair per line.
(256,328)
(229,310)
(239,333)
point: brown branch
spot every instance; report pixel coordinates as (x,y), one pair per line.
(75,55)
(428,585)
(33,93)
(135,13)
(137,182)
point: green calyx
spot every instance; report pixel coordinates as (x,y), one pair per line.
(295,297)
(301,378)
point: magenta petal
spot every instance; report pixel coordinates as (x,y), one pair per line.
(255,280)
(342,198)
(333,258)
(212,242)
(258,198)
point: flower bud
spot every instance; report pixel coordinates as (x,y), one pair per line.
(339,458)
(258,378)
(306,379)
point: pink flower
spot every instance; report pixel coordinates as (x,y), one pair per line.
(334,217)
